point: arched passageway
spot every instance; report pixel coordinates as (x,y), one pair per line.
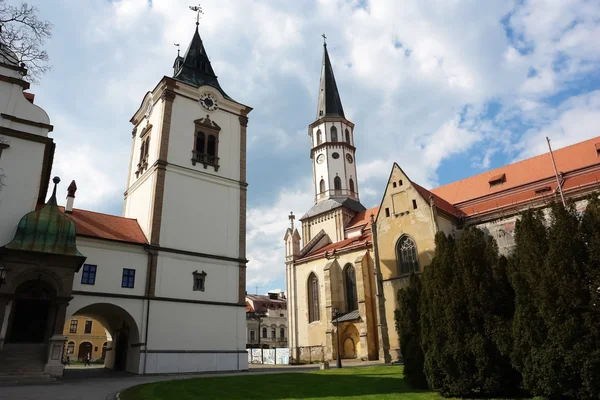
(31,319)
(85,348)
(121,351)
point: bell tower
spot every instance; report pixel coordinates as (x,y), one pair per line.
(332,142)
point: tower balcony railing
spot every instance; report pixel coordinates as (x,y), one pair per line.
(205,159)
(336,193)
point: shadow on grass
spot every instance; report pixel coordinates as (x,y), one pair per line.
(382,383)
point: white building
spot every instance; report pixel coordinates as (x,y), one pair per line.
(266,320)
(167,279)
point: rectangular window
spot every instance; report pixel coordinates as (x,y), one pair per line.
(414,204)
(400,182)
(252,336)
(88,277)
(128,280)
(394,184)
(73,326)
(88,327)
(387,212)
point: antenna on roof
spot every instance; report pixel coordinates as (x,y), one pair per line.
(256,289)
(559,187)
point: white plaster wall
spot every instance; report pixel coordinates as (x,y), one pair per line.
(111,258)
(186,326)
(321,171)
(175,278)
(155,119)
(201,213)
(138,204)
(181,140)
(21,164)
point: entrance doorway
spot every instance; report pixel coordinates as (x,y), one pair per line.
(31,310)
(85,348)
(121,339)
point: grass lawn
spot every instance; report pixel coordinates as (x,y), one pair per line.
(368,383)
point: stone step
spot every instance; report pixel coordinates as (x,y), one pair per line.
(13,381)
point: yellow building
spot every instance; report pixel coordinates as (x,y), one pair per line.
(85,335)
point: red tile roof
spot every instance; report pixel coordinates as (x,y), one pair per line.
(362,218)
(437,200)
(105,226)
(533,169)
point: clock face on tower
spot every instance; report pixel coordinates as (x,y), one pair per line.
(320,159)
(208,102)
(349,158)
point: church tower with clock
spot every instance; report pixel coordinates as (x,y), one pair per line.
(187,189)
(335,181)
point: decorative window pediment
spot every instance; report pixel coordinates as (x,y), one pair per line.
(206,143)
(199,281)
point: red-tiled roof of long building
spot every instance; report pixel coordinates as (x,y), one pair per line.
(570,158)
(106,226)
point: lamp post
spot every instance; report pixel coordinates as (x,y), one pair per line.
(3,273)
(337,328)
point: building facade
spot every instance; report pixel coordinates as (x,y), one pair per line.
(267,321)
(84,336)
(152,277)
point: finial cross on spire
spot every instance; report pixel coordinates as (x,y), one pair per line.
(291,218)
(324,39)
(198,10)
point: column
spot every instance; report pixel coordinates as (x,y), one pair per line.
(56,342)
(5,308)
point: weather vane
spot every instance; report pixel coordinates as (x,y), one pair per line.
(324,39)
(198,10)
(177,44)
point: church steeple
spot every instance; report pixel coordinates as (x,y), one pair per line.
(194,67)
(329,104)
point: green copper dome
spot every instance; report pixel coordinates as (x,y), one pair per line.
(46,230)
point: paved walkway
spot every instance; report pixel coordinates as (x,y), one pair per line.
(102,384)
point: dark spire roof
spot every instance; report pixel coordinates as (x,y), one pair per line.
(194,67)
(329,103)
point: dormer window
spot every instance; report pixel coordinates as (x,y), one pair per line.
(497,180)
(206,143)
(543,190)
(598,149)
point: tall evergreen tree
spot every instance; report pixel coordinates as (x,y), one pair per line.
(435,298)
(408,325)
(529,327)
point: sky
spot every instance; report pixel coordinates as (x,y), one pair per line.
(446,88)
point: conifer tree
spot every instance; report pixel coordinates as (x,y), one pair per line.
(529,327)
(408,325)
(434,324)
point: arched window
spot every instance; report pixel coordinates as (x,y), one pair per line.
(264,332)
(351,296)
(200,143)
(273,333)
(281,333)
(319,137)
(71,348)
(211,147)
(347,136)
(351,185)
(406,255)
(313,298)
(322,186)
(337,183)
(334,134)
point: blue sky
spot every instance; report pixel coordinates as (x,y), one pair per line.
(446,88)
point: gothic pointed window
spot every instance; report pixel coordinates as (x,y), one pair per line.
(351,295)
(200,142)
(333,131)
(319,137)
(322,186)
(406,256)
(337,183)
(347,136)
(313,298)
(211,148)
(351,182)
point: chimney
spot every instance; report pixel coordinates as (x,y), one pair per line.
(70,197)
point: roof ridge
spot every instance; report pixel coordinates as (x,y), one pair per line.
(99,213)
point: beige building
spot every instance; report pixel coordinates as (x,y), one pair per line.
(267,321)
(85,335)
